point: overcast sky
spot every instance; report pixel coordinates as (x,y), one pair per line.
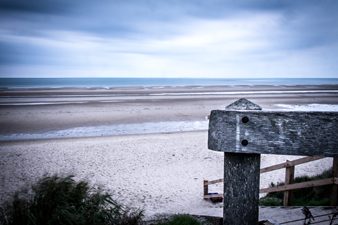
(169,38)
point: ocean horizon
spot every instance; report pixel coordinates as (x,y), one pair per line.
(125,82)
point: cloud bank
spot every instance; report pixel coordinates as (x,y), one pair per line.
(139,38)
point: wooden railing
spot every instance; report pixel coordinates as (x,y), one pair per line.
(289,181)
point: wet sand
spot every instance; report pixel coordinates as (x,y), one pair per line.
(42,110)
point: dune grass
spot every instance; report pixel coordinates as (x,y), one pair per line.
(62,200)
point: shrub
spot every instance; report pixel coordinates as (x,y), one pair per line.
(62,200)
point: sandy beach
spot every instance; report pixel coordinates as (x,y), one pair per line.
(159,167)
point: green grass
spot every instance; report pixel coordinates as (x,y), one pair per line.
(62,200)
(181,219)
(313,196)
(267,201)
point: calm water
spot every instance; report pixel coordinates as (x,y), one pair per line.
(118,82)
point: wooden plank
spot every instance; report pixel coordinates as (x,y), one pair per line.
(275,167)
(334,190)
(273,132)
(297,186)
(214,181)
(314,183)
(289,179)
(289,163)
(213,196)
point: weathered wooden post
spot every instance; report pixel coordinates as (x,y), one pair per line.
(289,179)
(334,191)
(205,186)
(241,171)
(243,131)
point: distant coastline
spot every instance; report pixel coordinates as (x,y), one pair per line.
(128,82)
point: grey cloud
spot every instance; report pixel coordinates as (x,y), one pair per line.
(126,18)
(302,25)
(44,7)
(28,54)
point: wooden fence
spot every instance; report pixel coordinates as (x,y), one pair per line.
(243,131)
(289,181)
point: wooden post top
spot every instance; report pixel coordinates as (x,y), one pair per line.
(243,104)
(244,128)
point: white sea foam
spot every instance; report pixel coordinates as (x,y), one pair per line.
(246,92)
(310,107)
(110,101)
(40,103)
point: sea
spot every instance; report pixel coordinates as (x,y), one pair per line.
(120,82)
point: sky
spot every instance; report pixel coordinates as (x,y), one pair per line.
(169,38)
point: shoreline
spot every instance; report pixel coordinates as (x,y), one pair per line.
(125,82)
(178,87)
(66,111)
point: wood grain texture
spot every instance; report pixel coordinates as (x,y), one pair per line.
(241,188)
(243,104)
(272,132)
(241,180)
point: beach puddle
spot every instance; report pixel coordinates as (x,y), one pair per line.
(121,129)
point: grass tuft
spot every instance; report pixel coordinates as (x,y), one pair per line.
(62,200)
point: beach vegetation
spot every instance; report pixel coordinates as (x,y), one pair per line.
(312,196)
(181,219)
(61,200)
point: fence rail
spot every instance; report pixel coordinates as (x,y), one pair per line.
(289,164)
(307,184)
(289,178)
